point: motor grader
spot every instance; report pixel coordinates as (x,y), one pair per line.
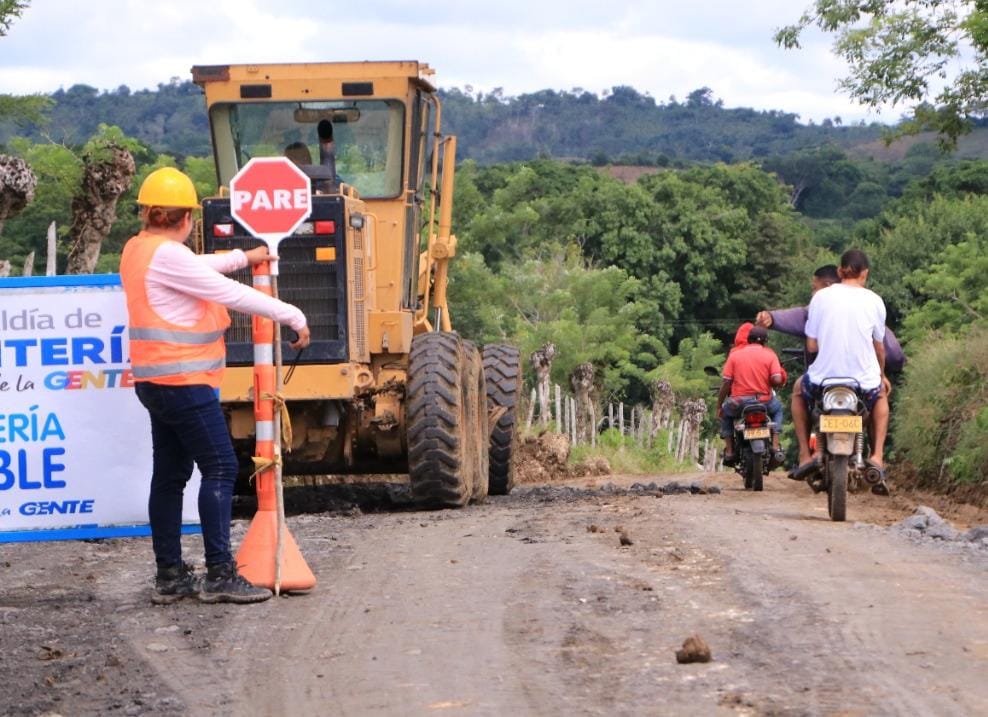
(386,385)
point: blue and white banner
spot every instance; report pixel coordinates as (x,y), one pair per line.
(75,443)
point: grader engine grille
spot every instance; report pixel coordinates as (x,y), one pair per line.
(312,276)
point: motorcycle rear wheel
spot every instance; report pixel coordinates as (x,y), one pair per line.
(837,488)
(753,472)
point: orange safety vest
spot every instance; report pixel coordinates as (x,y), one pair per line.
(160,351)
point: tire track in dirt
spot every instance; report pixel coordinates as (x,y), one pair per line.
(528,604)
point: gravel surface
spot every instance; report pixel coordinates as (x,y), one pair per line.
(568,598)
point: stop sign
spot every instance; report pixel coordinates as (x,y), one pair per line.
(270,197)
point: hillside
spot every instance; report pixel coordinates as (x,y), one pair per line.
(971,146)
(623,125)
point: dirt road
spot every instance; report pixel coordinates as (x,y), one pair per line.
(527,605)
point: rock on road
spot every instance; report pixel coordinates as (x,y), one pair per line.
(530,604)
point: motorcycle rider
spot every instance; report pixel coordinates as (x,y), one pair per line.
(793,321)
(845,327)
(750,373)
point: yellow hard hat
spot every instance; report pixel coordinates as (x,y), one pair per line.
(168,187)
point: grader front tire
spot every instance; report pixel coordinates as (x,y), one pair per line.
(438,428)
(502,371)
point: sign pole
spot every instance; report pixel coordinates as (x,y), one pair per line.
(279,486)
(270,197)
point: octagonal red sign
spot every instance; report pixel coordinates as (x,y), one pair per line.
(270,197)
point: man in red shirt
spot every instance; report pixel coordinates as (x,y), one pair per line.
(749,375)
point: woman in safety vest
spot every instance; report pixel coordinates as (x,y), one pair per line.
(177,302)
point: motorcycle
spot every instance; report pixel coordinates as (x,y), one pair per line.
(838,417)
(752,444)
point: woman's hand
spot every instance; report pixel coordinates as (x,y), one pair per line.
(303,339)
(259,255)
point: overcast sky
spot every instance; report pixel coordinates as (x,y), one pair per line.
(656,46)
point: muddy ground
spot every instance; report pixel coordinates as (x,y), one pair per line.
(561,599)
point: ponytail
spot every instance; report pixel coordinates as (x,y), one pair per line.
(163,217)
(852,263)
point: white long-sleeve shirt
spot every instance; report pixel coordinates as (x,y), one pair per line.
(177,279)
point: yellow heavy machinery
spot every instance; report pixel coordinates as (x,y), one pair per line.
(386,385)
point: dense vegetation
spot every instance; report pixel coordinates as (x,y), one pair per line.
(646,279)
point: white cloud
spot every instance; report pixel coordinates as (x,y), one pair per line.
(657,47)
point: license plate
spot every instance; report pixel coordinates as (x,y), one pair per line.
(840,424)
(750,433)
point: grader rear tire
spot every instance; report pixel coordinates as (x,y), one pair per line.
(502,370)
(477,418)
(439,430)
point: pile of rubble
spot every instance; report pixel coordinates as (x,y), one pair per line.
(926,522)
(545,458)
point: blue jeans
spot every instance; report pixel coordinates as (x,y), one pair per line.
(188,426)
(732,409)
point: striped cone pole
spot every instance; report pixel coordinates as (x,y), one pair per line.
(269,556)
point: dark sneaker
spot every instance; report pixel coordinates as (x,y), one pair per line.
(224,584)
(807,470)
(173,583)
(729,459)
(881,489)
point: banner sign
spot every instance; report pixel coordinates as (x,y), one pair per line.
(75,443)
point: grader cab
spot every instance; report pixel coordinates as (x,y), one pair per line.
(386,385)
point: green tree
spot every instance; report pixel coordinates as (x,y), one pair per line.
(904,53)
(912,237)
(59,172)
(953,291)
(685,371)
(590,314)
(9,11)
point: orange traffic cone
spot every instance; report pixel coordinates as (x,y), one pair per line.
(259,559)
(256,557)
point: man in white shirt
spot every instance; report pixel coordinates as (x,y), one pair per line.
(846,329)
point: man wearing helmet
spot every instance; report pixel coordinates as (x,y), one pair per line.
(750,373)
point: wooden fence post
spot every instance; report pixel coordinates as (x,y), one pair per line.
(573,423)
(52,251)
(531,409)
(593,426)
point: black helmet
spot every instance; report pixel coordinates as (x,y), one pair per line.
(758,335)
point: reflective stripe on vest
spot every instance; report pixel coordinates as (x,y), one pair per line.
(175,337)
(167,369)
(161,351)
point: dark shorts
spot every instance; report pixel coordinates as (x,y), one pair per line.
(811,393)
